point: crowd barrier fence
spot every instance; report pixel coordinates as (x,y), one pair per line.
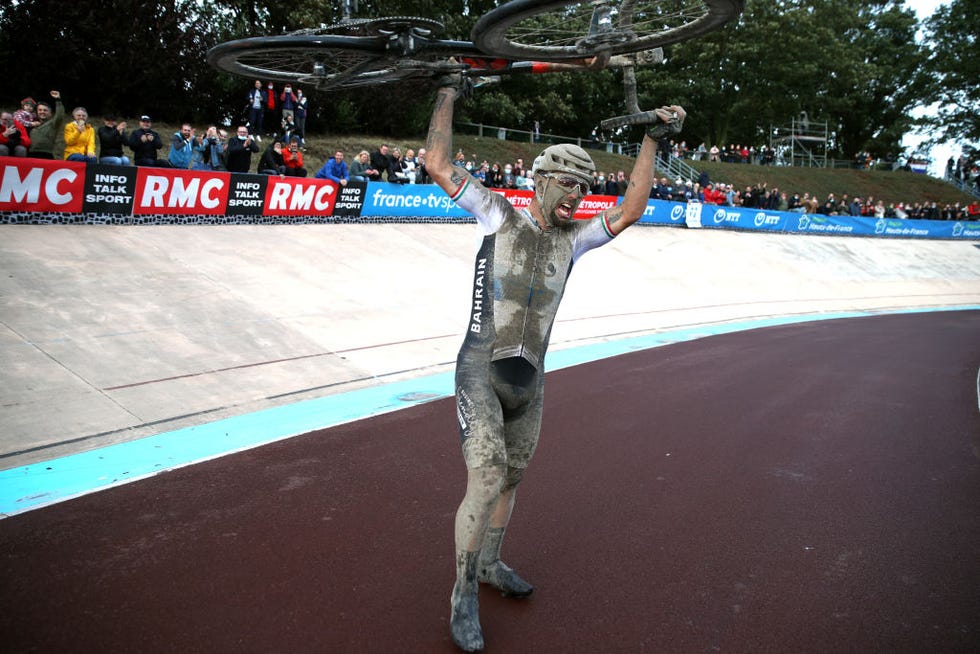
(35,191)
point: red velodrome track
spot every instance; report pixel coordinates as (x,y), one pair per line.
(802,488)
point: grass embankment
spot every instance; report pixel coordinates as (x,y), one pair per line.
(889,186)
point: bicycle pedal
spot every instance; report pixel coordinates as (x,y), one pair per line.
(485,79)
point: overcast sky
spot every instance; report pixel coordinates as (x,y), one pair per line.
(924,9)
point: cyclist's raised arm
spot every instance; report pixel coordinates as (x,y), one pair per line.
(637,193)
(438,158)
(438,161)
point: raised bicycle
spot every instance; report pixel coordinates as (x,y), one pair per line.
(518,36)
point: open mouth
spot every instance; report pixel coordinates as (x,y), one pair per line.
(564,210)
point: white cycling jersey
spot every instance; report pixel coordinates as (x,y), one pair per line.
(521,272)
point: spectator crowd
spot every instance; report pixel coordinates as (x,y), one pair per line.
(38,127)
(963,172)
(766,155)
(34,130)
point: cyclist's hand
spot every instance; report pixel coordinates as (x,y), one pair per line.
(462,84)
(672,118)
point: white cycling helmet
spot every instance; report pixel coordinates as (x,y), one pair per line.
(565,158)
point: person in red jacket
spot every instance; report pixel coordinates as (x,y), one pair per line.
(293,158)
(271,102)
(14,139)
(713,196)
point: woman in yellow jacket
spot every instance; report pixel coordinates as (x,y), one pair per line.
(80,138)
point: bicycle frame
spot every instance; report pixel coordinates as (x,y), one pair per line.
(383,58)
(595,35)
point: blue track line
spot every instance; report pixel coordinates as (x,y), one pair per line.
(33,486)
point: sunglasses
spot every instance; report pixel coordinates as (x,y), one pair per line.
(570,183)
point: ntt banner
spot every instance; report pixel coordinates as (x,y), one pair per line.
(29,186)
(714,216)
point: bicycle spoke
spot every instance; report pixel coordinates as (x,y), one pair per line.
(573,23)
(351,54)
(586,35)
(561,30)
(301,63)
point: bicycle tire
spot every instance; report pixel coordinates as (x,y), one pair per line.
(558,29)
(319,60)
(379,26)
(341,56)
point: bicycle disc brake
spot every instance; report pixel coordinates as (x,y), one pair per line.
(603,35)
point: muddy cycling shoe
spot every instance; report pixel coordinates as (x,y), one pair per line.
(464,621)
(499,575)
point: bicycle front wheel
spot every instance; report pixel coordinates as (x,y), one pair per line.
(322,61)
(557,30)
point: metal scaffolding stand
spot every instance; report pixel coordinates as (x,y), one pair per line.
(802,143)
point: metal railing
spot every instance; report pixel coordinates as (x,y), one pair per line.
(676,168)
(967,186)
(669,166)
(527,136)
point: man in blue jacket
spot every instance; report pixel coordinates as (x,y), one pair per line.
(335,169)
(182,147)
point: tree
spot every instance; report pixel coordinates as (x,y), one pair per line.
(394,110)
(949,75)
(120,55)
(843,61)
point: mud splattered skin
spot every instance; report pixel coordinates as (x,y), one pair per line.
(519,278)
(530,268)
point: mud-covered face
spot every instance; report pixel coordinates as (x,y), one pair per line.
(559,196)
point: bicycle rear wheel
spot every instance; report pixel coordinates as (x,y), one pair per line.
(321,60)
(558,29)
(346,55)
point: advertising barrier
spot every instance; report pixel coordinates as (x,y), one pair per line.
(800,223)
(36,191)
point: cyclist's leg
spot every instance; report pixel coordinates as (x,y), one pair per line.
(521,387)
(481,426)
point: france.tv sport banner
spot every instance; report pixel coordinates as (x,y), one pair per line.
(384,199)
